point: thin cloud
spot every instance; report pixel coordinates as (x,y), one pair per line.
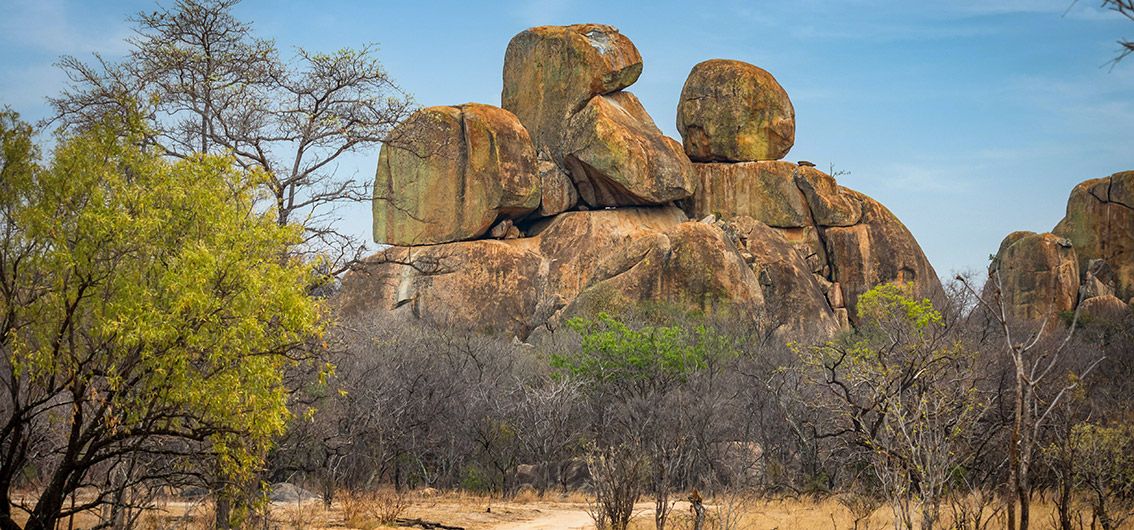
(47,26)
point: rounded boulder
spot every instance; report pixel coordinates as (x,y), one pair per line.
(732,111)
(449,173)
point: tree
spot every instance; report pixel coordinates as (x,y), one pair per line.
(1106,470)
(639,383)
(208,85)
(1037,362)
(147,310)
(906,393)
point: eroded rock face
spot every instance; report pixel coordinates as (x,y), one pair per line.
(843,236)
(551,72)
(797,305)
(486,285)
(736,112)
(764,191)
(1037,276)
(452,174)
(878,249)
(691,266)
(559,194)
(1104,309)
(582,262)
(1100,225)
(617,156)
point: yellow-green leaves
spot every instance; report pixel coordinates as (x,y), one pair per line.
(161,290)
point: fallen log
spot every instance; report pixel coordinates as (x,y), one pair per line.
(419,523)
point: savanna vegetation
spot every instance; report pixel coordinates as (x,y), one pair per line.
(168,331)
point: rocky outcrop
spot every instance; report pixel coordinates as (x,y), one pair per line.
(584,262)
(452,172)
(618,157)
(844,237)
(570,201)
(1037,276)
(551,72)
(565,85)
(1100,224)
(878,249)
(1086,263)
(736,112)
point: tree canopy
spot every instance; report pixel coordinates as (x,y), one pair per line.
(147,311)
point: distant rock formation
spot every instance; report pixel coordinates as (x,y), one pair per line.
(1086,262)
(569,200)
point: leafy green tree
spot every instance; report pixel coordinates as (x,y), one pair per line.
(1105,455)
(648,410)
(147,312)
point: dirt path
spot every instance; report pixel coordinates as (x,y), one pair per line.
(565,518)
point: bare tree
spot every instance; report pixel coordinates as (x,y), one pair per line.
(1126,8)
(1039,387)
(207,84)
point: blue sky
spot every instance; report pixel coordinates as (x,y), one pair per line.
(968,118)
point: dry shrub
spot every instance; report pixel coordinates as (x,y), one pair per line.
(369,509)
(296,517)
(860,505)
(525,495)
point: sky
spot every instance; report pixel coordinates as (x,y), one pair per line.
(969,119)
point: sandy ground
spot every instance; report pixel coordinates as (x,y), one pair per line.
(558,518)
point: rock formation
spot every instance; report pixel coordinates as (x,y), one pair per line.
(452,173)
(569,200)
(565,85)
(1087,262)
(734,111)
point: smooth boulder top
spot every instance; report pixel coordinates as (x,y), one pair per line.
(450,173)
(1037,274)
(551,72)
(1100,224)
(732,111)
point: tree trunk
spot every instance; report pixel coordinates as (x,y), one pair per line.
(697,506)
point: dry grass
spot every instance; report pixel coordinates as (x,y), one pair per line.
(477,512)
(806,513)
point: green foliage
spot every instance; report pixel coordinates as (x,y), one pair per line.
(612,351)
(894,302)
(152,293)
(1106,458)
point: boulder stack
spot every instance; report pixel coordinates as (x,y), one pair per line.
(450,173)
(569,200)
(565,84)
(1085,263)
(733,111)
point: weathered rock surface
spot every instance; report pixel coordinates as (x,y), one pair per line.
(551,72)
(764,191)
(842,235)
(878,249)
(559,194)
(581,262)
(1103,309)
(1036,275)
(454,172)
(1100,225)
(486,285)
(691,266)
(795,301)
(736,112)
(617,156)
(575,243)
